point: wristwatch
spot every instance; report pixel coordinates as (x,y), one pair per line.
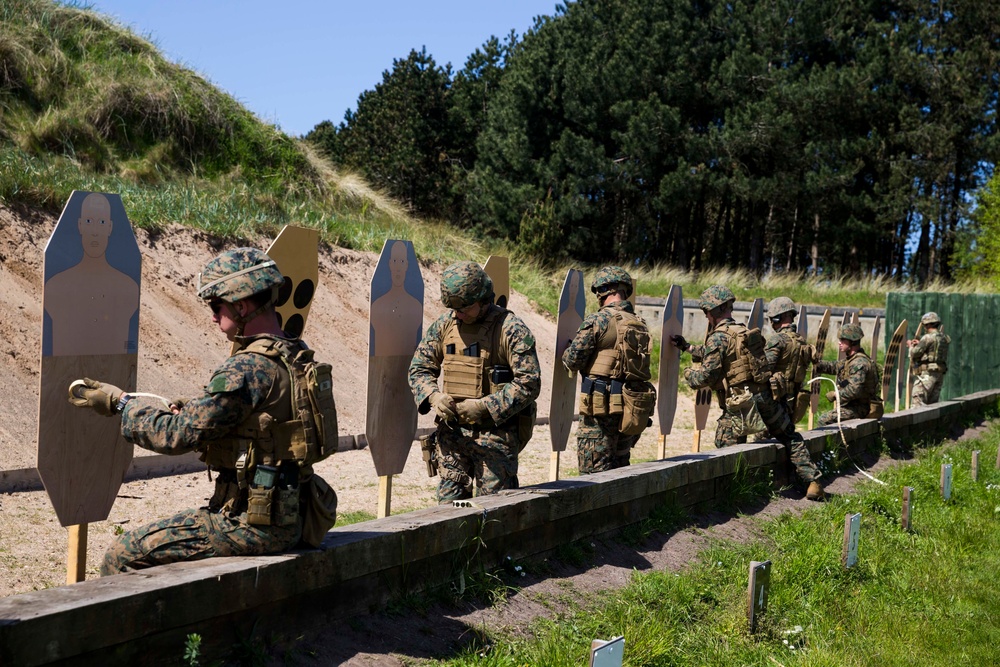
(122,400)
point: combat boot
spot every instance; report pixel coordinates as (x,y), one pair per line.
(815,491)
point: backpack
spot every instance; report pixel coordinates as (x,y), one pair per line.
(633,346)
(747,362)
(312,434)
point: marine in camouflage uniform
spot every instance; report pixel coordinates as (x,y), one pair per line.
(477,439)
(240,286)
(788,356)
(713,370)
(599,443)
(857,379)
(929,359)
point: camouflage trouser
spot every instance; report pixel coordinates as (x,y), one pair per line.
(926,388)
(600,446)
(779,426)
(486,458)
(195,534)
(850,411)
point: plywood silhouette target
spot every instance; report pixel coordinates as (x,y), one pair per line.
(396,320)
(90,328)
(498,269)
(672,324)
(572,308)
(295,251)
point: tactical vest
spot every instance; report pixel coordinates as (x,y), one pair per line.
(469,354)
(935,357)
(296,422)
(743,359)
(796,355)
(871,390)
(622,350)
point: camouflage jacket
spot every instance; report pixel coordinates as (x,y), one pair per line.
(584,344)
(516,342)
(932,349)
(857,377)
(711,356)
(239,386)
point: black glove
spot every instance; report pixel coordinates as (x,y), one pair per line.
(680,343)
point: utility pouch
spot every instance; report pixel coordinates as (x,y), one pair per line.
(319,510)
(261,506)
(615,403)
(638,403)
(462,376)
(876,409)
(428,448)
(743,409)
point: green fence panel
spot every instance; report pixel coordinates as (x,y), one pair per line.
(972,322)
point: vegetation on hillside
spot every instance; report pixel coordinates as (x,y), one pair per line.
(774,135)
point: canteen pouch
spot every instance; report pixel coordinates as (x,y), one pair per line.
(743,409)
(638,403)
(462,376)
(876,409)
(319,510)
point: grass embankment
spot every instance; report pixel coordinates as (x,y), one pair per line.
(925,597)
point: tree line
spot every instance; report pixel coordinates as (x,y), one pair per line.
(769,135)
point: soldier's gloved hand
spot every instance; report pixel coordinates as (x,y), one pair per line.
(831,396)
(473,411)
(177,404)
(443,404)
(101,397)
(680,343)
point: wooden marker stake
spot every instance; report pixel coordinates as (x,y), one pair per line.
(946,481)
(975,466)
(757,591)
(907,514)
(852,531)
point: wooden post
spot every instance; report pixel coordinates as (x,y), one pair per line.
(696,443)
(946,481)
(661,447)
(907,514)
(757,591)
(384,496)
(852,531)
(554,467)
(975,466)
(76,558)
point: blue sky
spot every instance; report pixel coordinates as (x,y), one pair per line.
(298,62)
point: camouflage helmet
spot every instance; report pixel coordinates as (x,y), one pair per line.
(930,318)
(237,274)
(612,278)
(851,332)
(463,284)
(779,306)
(715,296)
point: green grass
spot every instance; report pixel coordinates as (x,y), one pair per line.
(925,597)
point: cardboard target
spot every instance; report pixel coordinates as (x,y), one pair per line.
(672,324)
(756,318)
(90,328)
(396,317)
(296,253)
(891,357)
(821,335)
(498,269)
(572,307)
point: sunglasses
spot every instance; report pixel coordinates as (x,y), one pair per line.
(216,306)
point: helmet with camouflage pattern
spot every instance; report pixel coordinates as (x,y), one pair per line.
(779,306)
(463,284)
(715,296)
(930,318)
(610,279)
(851,332)
(237,274)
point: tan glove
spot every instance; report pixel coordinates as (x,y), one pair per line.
(443,404)
(101,397)
(831,396)
(473,411)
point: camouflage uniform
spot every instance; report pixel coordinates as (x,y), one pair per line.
(713,370)
(929,359)
(600,446)
(243,385)
(484,454)
(777,355)
(858,383)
